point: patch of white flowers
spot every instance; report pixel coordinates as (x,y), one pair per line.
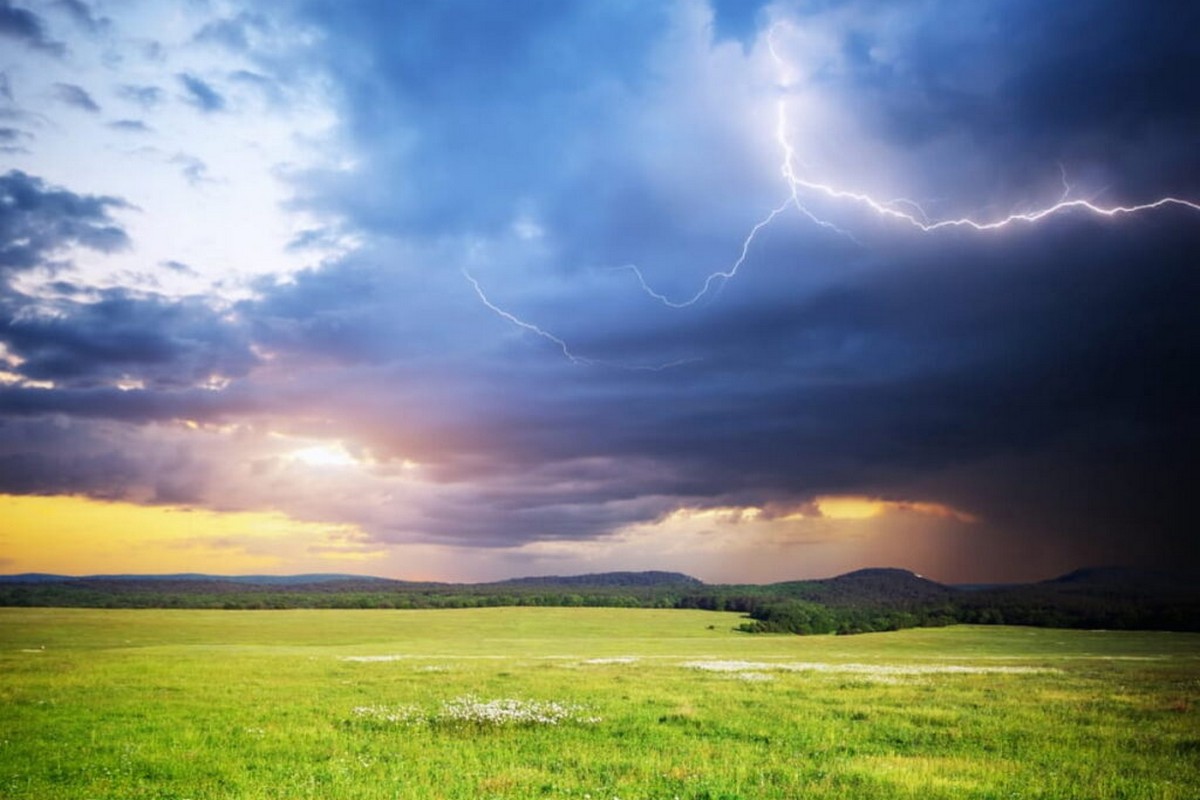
(510,711)
(470,710)
(394,714)
(370,659)
(615,660)
(874,670)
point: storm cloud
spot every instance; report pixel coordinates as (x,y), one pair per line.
(38,221)
(565,295)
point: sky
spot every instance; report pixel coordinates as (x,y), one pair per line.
(467,290)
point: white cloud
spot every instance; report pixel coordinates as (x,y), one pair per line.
(212,190)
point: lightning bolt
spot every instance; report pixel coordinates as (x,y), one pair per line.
(561,344)
(887,210)
(893,209)
(720,275)
(520,323)
(901,210)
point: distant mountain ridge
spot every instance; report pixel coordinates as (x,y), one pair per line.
(266,580)
(1127,577)
(647,578)
(879,581)
(865,600)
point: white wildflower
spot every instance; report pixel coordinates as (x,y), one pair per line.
(508,711)
(393,714)
(471,710)
(869,670)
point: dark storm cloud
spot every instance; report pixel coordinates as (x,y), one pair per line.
(85,338)
(469,93)
(1039,377)
(27,27)
(1141,55)
(44,458)
(166,343)
(978,349)
(75,96)
(1095,82)
(200,94)
(1017,364)
(108,443)
(134,406)
(37,221)
(827,366)
(75,454)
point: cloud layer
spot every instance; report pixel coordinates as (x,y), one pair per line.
(467,358)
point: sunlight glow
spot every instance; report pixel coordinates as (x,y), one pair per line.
(323,455)
(75,535)
(857,507)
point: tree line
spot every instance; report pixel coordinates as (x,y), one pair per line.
(800,608)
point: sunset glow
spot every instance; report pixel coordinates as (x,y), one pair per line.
(323,455)
(78,536)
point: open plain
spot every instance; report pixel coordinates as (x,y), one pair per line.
(582,703)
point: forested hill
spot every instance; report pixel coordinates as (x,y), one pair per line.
(857,602)
(867,587)
(599,579)
(655,589)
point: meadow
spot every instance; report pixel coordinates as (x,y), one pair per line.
(586,703)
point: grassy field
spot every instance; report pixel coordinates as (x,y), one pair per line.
(582,703)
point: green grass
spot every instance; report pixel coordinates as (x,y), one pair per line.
(198,704)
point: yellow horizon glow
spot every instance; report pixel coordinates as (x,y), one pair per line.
(855,507)
(841,507)
(74,535)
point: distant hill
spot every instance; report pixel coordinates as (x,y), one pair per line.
(1093,597)
(193,590)
(643,579)
(886,585)
(874,586)
(1123,578)
(647,578)
(34,577)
